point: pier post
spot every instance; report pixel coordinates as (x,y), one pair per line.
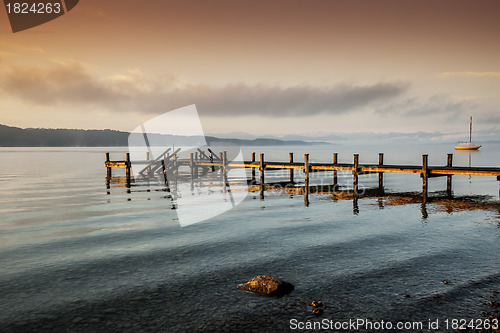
(253,169)
(425,177)
(291,170)
(221,158)
(355,174)
(224,170)
(108,169)
(261,169)
(127,168)
(335,161)
(306,179)
(380,174)
(108,175)
(449,163)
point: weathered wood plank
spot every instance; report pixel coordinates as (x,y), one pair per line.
(480,171)
(433,170)
(115,164)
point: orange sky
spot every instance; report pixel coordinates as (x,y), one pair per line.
(262,67)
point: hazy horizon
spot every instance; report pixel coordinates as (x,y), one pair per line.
(336,137)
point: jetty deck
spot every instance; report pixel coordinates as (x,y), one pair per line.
(209,161)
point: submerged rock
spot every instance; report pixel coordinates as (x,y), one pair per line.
(267,285)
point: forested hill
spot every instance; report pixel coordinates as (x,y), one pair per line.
(39,137)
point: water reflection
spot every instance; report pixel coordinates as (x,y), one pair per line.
(438,202)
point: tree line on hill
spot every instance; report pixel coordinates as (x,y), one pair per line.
(41,137)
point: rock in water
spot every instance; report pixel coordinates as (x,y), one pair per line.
(268,285)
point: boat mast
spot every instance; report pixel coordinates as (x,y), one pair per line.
(470,130)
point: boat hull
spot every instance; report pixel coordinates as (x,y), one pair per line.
(467,146)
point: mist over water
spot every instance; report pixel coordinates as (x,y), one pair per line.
(66,243)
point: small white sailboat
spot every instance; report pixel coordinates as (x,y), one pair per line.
(468,145)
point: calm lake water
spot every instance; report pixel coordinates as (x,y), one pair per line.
(66,245)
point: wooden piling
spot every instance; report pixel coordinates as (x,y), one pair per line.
(127,168)
(449,163)
(291,170)
(224,171)
(335,161)
(212,161)
(355,172)
(253,169)
(306,179)
(108,169)
(261,169)
(221,159)
(425,177)
(108,174)
(381,174)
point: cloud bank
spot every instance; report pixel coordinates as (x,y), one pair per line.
(74,85)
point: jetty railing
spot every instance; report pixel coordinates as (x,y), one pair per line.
(211,162)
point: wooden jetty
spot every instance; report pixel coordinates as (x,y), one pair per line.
(210,161)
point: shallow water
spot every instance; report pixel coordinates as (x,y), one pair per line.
(67,246)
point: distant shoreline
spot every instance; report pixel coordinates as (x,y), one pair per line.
(40,137)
